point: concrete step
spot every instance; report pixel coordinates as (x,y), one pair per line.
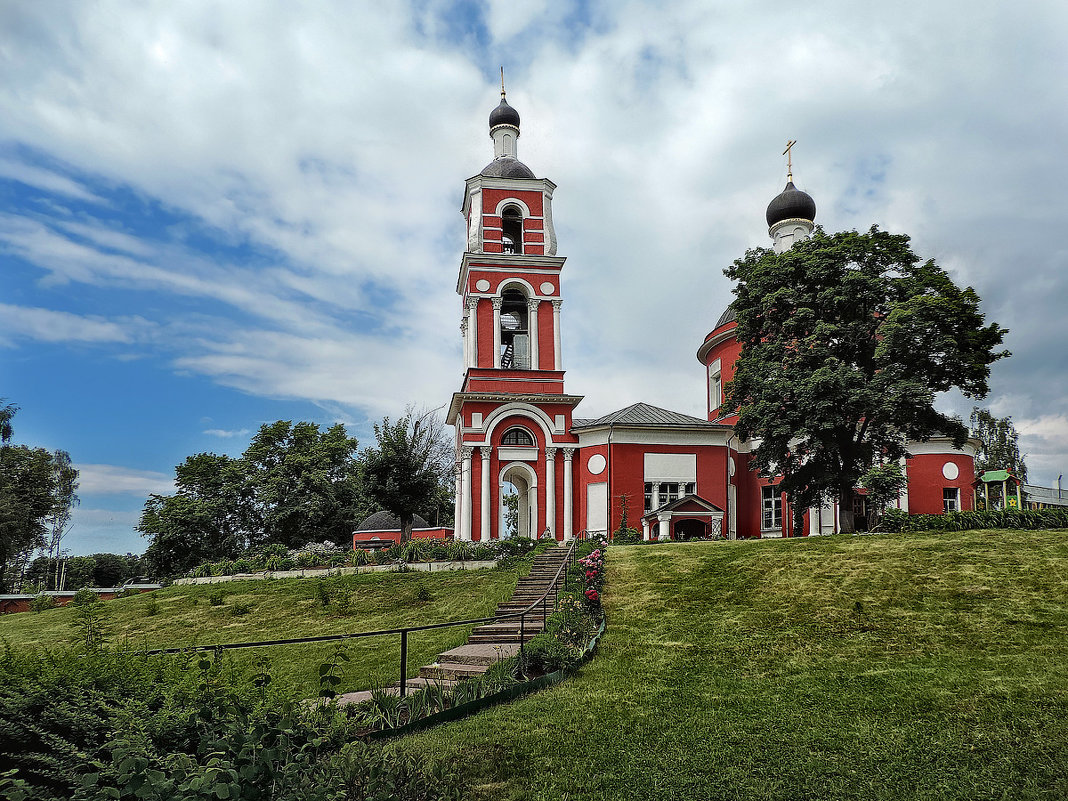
(509,627)
(483,654)
(419,682)
(452,670)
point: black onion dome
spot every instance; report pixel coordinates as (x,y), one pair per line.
(506,167)
(791,204)
(503,115)
(384,521)
(728,316)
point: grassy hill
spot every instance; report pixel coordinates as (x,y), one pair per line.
(287,608)
(907,666)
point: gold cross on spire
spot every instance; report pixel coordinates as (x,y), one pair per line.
(788,153)
(502,83)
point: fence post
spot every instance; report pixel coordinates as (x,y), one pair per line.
(404,662)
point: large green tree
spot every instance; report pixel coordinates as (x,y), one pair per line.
(409,467)
(846,340)
(294,484)
(999,447)
(36,486)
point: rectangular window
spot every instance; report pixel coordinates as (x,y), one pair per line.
(771,503)
(648,497)
(691,489)
(951,499)
(669,491)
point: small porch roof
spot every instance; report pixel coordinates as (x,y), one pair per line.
(687,504)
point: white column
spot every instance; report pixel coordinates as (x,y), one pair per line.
(665,531)
(457,471)
(656,495)
(550,490)
(569,453)
(484,528)
(472,330)
(558,357)
(465,494)
(467,345)
(532,324)
(645,530)
(497,332)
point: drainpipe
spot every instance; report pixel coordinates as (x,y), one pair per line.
(1059,485)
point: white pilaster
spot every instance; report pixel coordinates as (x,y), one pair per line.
(485,521)
(472,330)
(645,530)
(550,490)
(664,521)
(558,358)
(569,453)
(497,332)
(467,345)
(656,496)
(465,493)
(532,323)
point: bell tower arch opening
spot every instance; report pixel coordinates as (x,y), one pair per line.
(515,333)
(512,230)
(519,479)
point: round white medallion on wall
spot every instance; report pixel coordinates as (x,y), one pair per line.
(950,470)
(730,465)
(482,285)
(596,464)
(547,288)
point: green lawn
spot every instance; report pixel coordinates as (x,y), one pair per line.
(884,667)
(287,608)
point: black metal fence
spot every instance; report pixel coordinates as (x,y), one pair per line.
(558,581)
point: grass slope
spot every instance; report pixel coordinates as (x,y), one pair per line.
(287,608)
(882,667)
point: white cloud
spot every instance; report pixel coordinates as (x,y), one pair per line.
(45,325)
(45,179)
(108,479)
(225,434)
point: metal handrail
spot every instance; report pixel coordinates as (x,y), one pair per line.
(403,632)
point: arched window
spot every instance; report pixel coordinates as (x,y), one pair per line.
(515,340)
(518,436)
(512,230)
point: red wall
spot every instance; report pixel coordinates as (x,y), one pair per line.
(926,482)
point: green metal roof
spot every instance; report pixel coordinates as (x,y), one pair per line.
(991,476)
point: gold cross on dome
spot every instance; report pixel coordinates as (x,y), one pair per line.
(502,83)
(789,158)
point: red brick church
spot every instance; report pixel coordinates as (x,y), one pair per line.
(681,476)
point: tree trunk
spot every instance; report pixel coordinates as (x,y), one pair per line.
(406,528)
(845,510)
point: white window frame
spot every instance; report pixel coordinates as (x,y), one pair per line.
(770,503)
(950,499)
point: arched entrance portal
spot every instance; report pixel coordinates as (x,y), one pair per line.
(524,483)
(689,529)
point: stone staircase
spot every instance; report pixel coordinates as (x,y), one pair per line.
(492,642)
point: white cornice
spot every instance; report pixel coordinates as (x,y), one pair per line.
(459,398)
(507,262)
(714,340)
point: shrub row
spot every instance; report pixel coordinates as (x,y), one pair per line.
(895,520)
(276,557)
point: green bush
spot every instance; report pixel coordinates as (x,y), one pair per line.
(239,608)
(422,593)
(545,654)
(216,598)
(359,557)
(42,603)
(895,520)
(151,606)
(243,566)
(458,551)
(305,560)
(628,536)
(201,571)
(85,597)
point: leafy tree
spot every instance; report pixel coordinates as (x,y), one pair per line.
(29,494)
(65,498)
(846,339)
(511,513)
(411,463)
(999,446)
(294,484)
(884,483)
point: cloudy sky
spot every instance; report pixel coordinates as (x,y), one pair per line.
(219,214)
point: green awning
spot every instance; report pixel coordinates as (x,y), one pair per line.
(992,476)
